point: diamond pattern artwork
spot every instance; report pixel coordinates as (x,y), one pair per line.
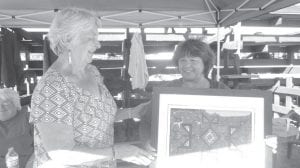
(210,137)
(198,130)
(55,100)
(188,129)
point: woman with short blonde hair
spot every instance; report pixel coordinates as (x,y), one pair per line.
(72,110)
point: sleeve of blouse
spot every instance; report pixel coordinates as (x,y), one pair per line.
(51,101)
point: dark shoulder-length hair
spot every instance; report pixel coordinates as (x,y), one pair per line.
(195,48)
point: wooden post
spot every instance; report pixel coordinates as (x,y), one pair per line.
(276,96)
(124,74)
(218,53)
(288,99)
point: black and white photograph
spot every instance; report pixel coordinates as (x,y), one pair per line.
(208,128)
(149,83)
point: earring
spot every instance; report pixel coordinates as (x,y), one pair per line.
(69,58)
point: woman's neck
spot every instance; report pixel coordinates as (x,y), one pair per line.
(199,83)
(69,68)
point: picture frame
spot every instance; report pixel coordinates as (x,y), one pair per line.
(211,127)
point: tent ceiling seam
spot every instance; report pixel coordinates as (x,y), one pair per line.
(241,9)
(227,10)
(202,13)
(267,4)
(234,11)
(118,14)
(157,21)
(33,20)
(209,9)
(249,9)
(243,4)
(4,15)
(226,17)
(213,5)
(197,20)
(36,13)
(160,14)
(120,21)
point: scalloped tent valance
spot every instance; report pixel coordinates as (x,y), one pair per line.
(141,13)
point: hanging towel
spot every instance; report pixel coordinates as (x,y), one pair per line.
(137,63)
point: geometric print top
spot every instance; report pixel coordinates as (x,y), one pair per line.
(56,100)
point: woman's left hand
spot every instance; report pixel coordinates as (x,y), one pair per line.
(133,154)
(134,112)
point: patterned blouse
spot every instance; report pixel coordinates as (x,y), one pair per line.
(56,100)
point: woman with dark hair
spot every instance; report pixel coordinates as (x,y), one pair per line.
(194,60)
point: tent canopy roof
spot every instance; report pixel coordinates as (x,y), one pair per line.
(144,13)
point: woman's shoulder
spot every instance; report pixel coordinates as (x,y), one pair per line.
(174,83)
(218,85)
(52,81)
(51,76)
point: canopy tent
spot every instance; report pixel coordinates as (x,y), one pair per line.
(141,13)
(286,17)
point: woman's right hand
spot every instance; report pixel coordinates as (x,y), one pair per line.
(133,154)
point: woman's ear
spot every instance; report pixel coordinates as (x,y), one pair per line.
(68,44)
(67,40)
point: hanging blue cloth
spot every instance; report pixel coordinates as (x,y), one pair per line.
(11,66)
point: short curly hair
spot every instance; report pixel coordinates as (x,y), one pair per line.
(9,94)
(67,24)
(195,48)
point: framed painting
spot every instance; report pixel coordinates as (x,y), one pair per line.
(211,127)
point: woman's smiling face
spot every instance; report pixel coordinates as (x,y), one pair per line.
(191,68)
(84,46)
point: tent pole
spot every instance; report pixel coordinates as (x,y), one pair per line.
(218,52)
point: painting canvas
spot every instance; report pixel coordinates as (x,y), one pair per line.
(210,128)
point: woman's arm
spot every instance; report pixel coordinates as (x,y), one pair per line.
(58,142)
(134,112)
